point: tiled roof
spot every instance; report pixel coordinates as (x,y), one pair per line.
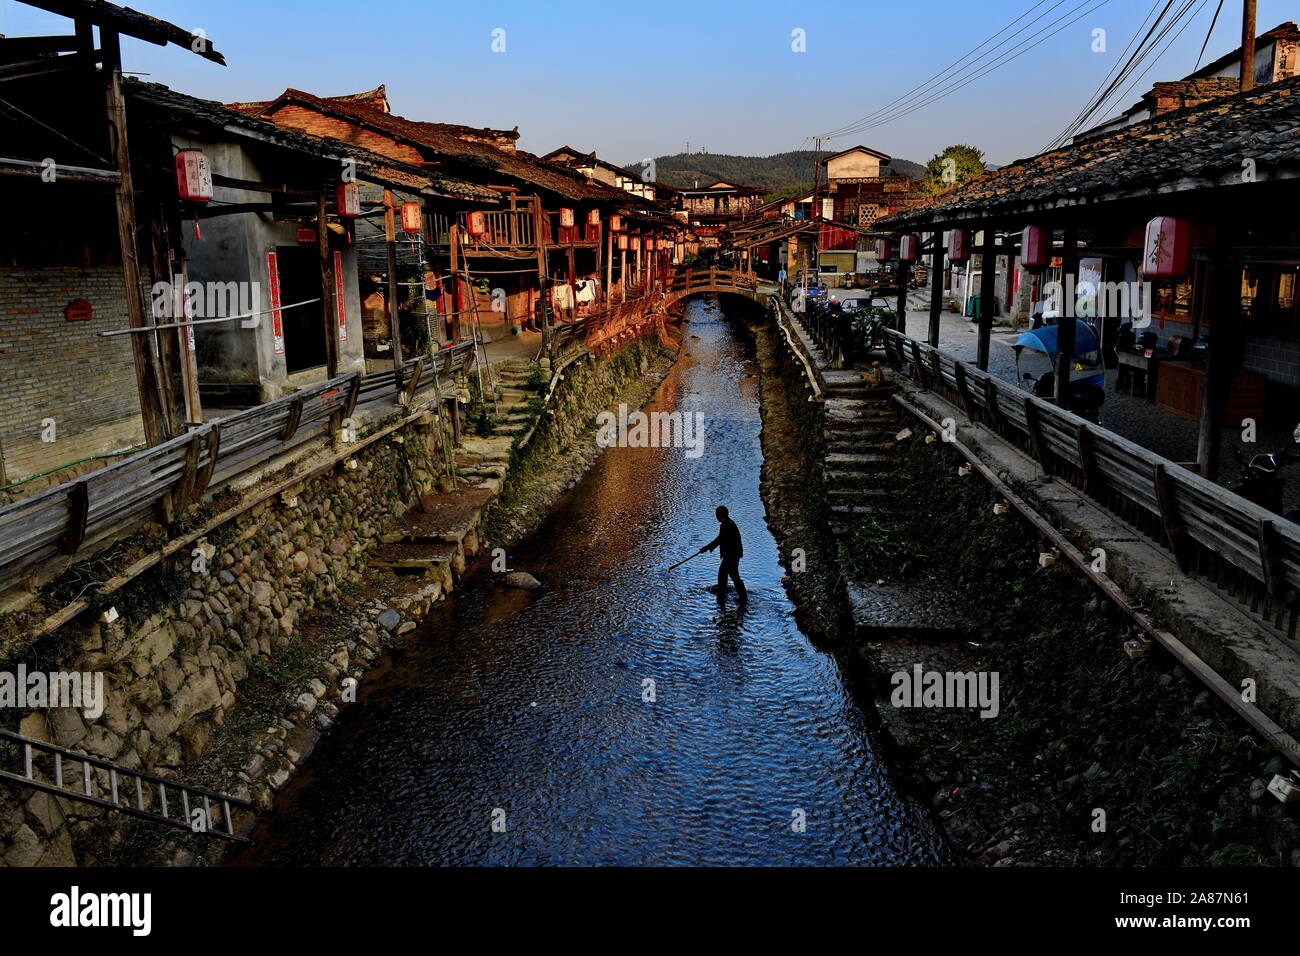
(1194,148)
(186,109)
(436,138)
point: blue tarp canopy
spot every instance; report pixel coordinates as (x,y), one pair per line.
(1044,339)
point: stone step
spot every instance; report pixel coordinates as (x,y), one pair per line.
(848,480)
(843,443)
(858,463)
(437,559)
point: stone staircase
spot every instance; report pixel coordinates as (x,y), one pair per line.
(861,425)
(442,532)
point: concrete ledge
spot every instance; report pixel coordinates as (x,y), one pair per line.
(1219,629)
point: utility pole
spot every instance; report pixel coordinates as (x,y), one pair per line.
(1247,45)
(817,170)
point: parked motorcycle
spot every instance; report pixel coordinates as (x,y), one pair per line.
(1262,480)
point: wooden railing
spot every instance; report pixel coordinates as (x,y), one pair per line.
(64,519)
(1237,545)
(690,281)
(509,228)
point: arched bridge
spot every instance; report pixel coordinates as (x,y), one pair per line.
(688,282)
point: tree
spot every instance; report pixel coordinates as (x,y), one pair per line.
(954,166)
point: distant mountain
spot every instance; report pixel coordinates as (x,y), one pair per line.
(783,173)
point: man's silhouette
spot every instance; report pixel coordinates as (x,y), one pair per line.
(728,540)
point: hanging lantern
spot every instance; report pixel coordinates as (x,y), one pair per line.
(347,200)
(884,249)
(636,243)
(593,217)
(959,246)
(909,247)
(193,176)
(1036,247)
(1168,248)
(476,223)
(566,218)
(615,223)
(412,218)
(622,242)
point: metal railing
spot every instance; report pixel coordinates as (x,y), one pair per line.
(49,768)
(1240,547)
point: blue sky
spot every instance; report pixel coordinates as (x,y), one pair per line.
(637,79)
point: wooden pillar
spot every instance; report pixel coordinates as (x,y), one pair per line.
(329,308)
(1065,325)
(1225,358)
(936,289)
(988,278)
(1248,45)
(609,264)
(902,294)
(158,426)
(394,322)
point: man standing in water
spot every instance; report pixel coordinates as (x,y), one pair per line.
(732,550)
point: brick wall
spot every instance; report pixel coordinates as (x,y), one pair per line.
(53,368)
(1276,359)
(1175,95)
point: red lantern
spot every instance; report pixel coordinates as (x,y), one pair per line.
(959,246)
(593,217)
(884,250)
(412,218)
(909,247)
(1036,247)
(476,222)
(622,242)
(615,223)
(566,218)
(347,200)
(636,243)
(1168,248)
(193,176)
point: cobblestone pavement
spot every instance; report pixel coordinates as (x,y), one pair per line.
(1167,434)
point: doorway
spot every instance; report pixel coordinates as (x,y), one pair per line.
(304,325)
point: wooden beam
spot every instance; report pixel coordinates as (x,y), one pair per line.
(157,425)
(1224,359)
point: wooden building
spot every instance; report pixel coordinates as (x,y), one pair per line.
(1229,168)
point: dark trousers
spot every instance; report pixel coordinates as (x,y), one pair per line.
(730,566)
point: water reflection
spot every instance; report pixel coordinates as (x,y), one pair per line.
(536,706)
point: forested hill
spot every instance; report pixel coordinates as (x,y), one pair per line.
(782,173)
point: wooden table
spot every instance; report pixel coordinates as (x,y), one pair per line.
(1181,388)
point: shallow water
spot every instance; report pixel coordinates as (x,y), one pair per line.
(528,708)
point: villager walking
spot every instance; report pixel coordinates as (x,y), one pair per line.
(732,550)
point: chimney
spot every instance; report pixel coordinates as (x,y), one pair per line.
(1178,94)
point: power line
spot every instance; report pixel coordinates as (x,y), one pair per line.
(1208,34)
(953,87)
(946,70)
(1148,50)
(1116,75)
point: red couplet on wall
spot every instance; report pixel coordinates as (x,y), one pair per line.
(1167,251)
(1035,247)
(959,245)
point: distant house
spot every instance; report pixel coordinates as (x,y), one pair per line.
(602,171)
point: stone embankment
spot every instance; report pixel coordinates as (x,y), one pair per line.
(224,665)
